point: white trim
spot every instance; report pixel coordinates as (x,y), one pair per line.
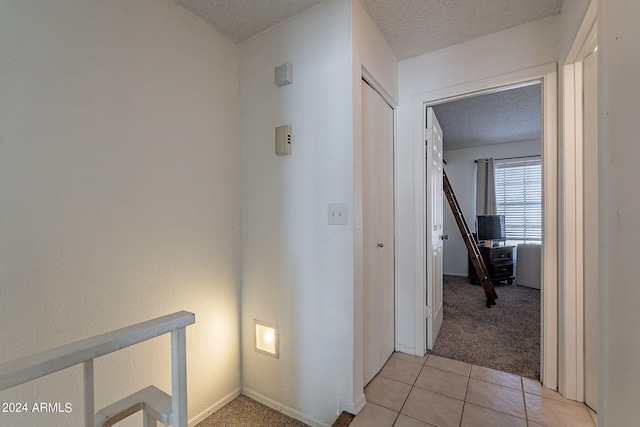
(571,378)
(547,75)
(584,34)
(549,291)
(375,84)
(213,408)
(290,412)
(493,84)
(359,405)
(421,224)
(405,349)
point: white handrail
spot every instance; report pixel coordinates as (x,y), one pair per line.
(25,369)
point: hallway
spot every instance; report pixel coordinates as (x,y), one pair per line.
(433,391)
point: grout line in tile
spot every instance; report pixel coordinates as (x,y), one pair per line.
(524,401)
(464,402)
(498,410)
(397,416)
(437,392)
(405,399)
(449,372)
(500,385)
(444,370)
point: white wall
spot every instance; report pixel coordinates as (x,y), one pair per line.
(518,48)
(119,159)
(619,98)
(297,271)
(370,51)
(461,171)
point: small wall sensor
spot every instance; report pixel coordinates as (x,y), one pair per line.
(284,74)
(283,140)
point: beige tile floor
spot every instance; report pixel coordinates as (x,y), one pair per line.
(431,391)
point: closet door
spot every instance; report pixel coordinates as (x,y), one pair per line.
(378,231)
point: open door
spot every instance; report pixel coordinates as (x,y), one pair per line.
(434,227)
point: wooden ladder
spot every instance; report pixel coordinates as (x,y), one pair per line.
(472,247)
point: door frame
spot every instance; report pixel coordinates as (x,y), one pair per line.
(546,75)
(571,363)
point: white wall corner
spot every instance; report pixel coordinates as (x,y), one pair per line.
(215,407)
(280,407)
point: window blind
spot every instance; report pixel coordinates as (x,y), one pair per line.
(519,198)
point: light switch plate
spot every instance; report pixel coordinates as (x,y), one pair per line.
(338,214)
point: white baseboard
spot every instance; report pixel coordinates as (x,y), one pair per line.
(213,408)
(290,412)
(405,349)
(359,405)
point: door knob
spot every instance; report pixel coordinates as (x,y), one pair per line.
(445,237)
(381,245)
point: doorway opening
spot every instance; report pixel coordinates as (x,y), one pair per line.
(492,148)
(545,78)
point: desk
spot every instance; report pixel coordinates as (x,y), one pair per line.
(499,262)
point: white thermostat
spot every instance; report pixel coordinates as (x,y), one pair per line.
(284,74)
(283,140)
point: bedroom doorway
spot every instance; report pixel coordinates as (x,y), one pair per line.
(546,77)
(492,146)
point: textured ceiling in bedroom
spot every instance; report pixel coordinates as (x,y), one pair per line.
(495,118)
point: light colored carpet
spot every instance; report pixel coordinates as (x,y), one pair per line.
(505,337)
(246,412)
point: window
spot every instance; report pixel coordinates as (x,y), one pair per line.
(519,198)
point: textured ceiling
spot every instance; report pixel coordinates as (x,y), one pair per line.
(415,27)
(241,19)
(411,27)
(506,116)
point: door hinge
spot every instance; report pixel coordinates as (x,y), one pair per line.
(428,135)
(428,312)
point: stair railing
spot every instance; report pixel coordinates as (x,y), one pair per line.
(156,404)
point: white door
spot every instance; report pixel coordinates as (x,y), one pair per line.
(434,227)
(378,235)
(590,150)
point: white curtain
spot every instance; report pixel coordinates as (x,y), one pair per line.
(485,188)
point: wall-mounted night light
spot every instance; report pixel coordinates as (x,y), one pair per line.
(266,338)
